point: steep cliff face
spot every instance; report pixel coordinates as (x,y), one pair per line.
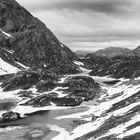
(27,40)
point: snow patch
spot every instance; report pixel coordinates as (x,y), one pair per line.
(5,33)
(45,65)
(130,132)
(85,71)
(22,110)
(9,95)
(61,45)
(11,128)
(7,68)
(63,134)
(78,63)
(86,128)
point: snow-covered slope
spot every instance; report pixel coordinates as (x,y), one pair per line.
(115,117)
(6,68)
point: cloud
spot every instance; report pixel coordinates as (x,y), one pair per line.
(103,6)
(94,46)
(96,26)
(92,23)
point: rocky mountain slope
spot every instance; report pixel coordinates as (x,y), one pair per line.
(26,40)
(123,66)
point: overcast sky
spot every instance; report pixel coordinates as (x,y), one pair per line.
(90,24)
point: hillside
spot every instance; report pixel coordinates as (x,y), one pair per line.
(25,39)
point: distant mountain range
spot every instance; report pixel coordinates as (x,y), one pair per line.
(107,52)
(110,52)
(82,53)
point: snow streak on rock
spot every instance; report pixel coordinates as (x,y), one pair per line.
(8,35)
(78,63)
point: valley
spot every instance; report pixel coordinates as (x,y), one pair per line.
(48,92)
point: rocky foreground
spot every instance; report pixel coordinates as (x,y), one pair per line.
(40,91)
(109,108)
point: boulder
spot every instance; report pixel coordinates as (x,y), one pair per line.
(10,116)
(39,101)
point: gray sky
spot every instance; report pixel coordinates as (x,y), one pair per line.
(90,24)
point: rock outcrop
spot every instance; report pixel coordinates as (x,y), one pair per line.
(75,89)
(26,79)
(10,116)
(22,80)
(49,99)
(81,86)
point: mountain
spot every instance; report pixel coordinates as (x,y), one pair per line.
(110,52)
(82,53)
(121,66)
(26,41)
